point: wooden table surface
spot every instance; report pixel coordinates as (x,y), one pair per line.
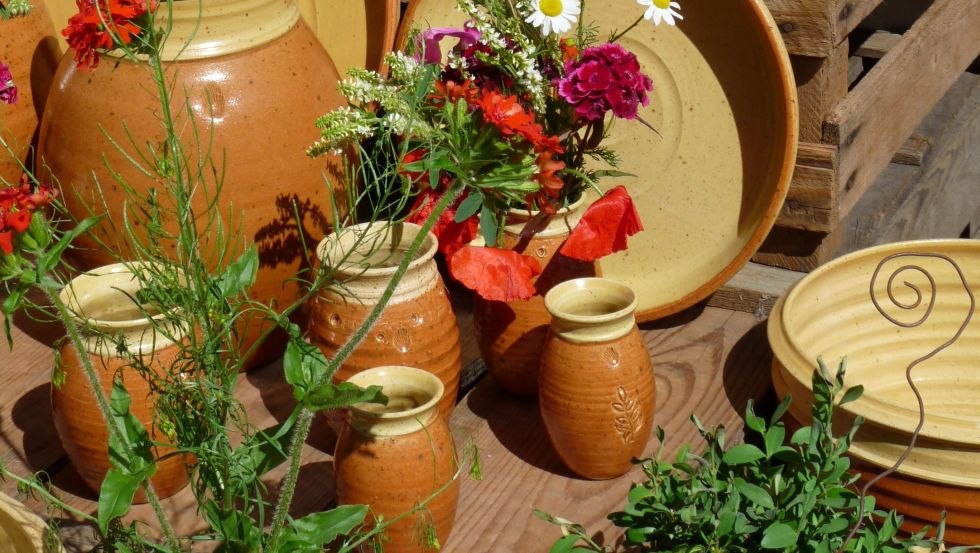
(707,360)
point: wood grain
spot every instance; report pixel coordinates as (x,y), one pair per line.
(820,84)
(884,108)
(816,27)
(755,289)
(811,201)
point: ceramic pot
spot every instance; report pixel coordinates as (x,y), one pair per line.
(417,328)
(510,334)
(596,388)
(102,300)
(29,47)
(393,457)
(235,80)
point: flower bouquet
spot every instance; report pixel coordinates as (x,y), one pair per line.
(512,117)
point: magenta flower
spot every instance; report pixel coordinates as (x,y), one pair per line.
(605,78)
(427,43)
(8,89)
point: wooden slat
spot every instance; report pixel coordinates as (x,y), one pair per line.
(878,44)
(875,118)
(820,84)
(816,27)
(811,201)
(755,289)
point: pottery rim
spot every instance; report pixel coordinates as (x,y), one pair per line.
(397,381)
(613,318)
(368,238)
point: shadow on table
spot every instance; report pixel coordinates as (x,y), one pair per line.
(41,446)
(517,425)
(746,372)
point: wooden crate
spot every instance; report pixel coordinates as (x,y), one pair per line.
(852,128)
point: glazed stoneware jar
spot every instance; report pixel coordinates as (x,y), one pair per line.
(596,387)
(28,46)
(418,326)
(393,457)
(102,300)
(510,334)
(249,78)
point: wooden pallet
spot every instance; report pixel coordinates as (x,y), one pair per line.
(853,123)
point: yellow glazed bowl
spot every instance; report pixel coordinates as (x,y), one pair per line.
(21,531)
(830,314)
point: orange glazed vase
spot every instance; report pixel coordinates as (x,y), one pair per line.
(417,328)
(102,300)
(247,78)
(393,457)
(28,45)
(596,388)
(510,334)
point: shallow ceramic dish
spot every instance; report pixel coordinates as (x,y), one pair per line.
(22,531)
(830,314)
(710,186)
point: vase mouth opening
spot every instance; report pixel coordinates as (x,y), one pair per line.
(590,300)
(366,249)
(107,298)
(412,393)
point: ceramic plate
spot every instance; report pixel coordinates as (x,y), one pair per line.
(711,184)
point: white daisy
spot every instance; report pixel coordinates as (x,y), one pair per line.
(661,10)
(554,16)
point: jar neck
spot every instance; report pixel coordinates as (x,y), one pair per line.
(413,401)
(211,28)
(559,224)
(591,310)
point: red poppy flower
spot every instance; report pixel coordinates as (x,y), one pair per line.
(451,235)
(495,273)
(7,242)
(604,227)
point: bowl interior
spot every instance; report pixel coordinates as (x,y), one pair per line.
(832,314)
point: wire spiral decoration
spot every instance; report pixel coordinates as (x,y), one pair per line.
(910,305)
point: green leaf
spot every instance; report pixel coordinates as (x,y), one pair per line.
(470,205)
(266,449)
(851,394)
(53,256)
(743,454)
(834,526)
(132,452)
(116,496)
(755,494)
(240,275)
(303,365)
(488,226)
(313,532)
(754,421)
(774,439)
(778,536)
(781,409)
(565,544)
(343,394)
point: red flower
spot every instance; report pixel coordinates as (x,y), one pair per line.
(415,176)
(452,92)
(551,184)
(606,78)
(103,25)
(510,118)
(495,273)
(17,206)
(18,221)
(451,235)
(604,227)
(7,242)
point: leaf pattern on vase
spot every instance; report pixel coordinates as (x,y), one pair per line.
(627,411)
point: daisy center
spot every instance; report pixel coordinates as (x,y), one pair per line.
(662,4)
(551,8)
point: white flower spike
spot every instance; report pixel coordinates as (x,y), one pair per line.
(554,16)
(661,10)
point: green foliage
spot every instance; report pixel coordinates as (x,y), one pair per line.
(774,492)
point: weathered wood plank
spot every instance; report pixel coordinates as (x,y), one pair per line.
(816,27)
(878,115)
(755,289)
(811,201)
(820,84)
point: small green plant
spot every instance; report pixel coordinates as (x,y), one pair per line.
(774,492)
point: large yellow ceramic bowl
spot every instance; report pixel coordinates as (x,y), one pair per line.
(21,531)
(833,313)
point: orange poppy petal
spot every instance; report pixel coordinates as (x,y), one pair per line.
(495,273)
(604,227)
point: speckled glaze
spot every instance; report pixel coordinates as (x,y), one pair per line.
(596,388)
(393,457)
(29,47)
(511,334)
(418,328)
(263,83)
(100,297)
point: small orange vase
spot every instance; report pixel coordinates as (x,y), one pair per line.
(418,326)
(510,334)
(103,300)
(394,457)
(596,388)
(247,78)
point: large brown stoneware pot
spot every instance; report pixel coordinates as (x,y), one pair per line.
(29,47)
(102,299)
(510,334)
(418,326)
(596,387)
(394,457)
(250,78)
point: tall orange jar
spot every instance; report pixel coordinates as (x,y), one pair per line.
(394,457)
(510,334)
(418,326)
(596,388)
(248,80)
(102,301)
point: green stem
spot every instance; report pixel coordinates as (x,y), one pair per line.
(620,35)
(305,419)
(49,497)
